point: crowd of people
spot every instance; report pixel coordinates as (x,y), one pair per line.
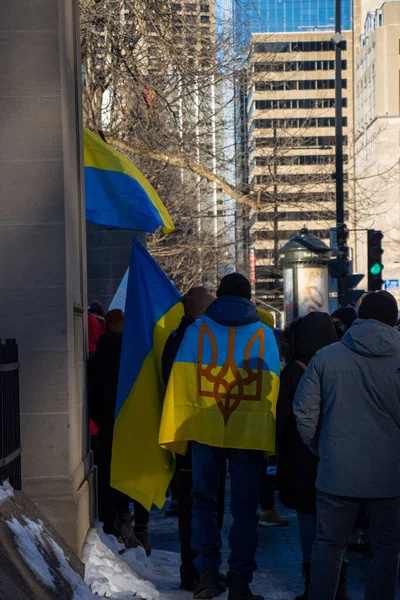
(321,403)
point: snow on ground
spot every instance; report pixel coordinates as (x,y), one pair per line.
(29,540)
(132,574)
(35,543)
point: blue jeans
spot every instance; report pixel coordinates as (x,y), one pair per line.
(307,527)
(245,474)
(336,517)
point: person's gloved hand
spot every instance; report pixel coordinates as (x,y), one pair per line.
(196,302)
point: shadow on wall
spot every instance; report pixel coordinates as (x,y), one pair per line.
(108,257)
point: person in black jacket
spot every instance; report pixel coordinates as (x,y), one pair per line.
(343,319)
(113,506)
(195,303)
(297,465)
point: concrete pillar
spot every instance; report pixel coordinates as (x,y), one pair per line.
(42,247)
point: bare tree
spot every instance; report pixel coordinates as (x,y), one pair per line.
(155,76)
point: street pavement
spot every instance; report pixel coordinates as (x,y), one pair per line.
(278,556)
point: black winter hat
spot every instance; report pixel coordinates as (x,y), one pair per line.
(234,284)
(347,315)
(381,306)
(97,308)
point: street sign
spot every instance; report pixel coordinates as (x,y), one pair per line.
(392,284)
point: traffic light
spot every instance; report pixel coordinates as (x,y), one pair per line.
(348,295)
(338,267)
(339,237)
(375,266)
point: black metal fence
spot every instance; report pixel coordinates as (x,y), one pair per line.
(10,431)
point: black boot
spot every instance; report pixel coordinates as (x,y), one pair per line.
(189,576)
(207,587)
(306,566)
(124,527)
(239,589)
(341,591)
(142,538)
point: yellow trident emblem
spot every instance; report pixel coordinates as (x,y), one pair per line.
(228,383)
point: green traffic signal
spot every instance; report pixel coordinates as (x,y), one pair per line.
(376,269)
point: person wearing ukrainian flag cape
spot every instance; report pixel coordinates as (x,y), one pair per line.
(221,397)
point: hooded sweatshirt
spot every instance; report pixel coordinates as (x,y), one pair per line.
(347,408)
(224,382)
(297,465)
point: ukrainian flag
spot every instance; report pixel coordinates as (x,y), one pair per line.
(140,468)
(223,388)
(117,193)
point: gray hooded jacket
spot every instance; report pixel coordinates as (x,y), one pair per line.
(347,408)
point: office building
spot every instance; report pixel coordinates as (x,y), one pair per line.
(286,16)
(291,125)
(377,131)
(288,102)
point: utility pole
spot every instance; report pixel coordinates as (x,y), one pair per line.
(337,40)
(339,268)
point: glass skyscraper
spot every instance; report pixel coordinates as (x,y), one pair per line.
(286,16)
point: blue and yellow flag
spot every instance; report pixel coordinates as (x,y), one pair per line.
(139,467)
(117,193)
(223,388)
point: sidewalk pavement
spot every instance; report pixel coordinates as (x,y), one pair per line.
(278,556)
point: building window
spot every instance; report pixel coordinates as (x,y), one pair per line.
(294,160)
(285,234)
(299,215)
(278,47)
(205,19)
(191,7)
(305,65)
(295,84)
(295,178)
(308,103)
(204,8)
(295,123)
(175,6)
(322,141)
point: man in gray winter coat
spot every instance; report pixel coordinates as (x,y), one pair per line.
(347,408)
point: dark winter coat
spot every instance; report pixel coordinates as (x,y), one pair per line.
(348,411)
(105,385)
(172,346)
(297,465)
(183,463)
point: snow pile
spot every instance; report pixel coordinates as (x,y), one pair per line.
(113,576)
(81,590)
(29,539)
(6,491)
(36,546)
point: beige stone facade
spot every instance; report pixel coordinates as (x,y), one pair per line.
(378,138)
(42,231)
(292,142)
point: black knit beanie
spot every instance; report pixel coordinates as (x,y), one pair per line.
(97,309)
(234,284)
(381,306)
(347,315)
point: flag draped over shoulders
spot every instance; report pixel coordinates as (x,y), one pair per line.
(117,193)
(139,467)
(223,388)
